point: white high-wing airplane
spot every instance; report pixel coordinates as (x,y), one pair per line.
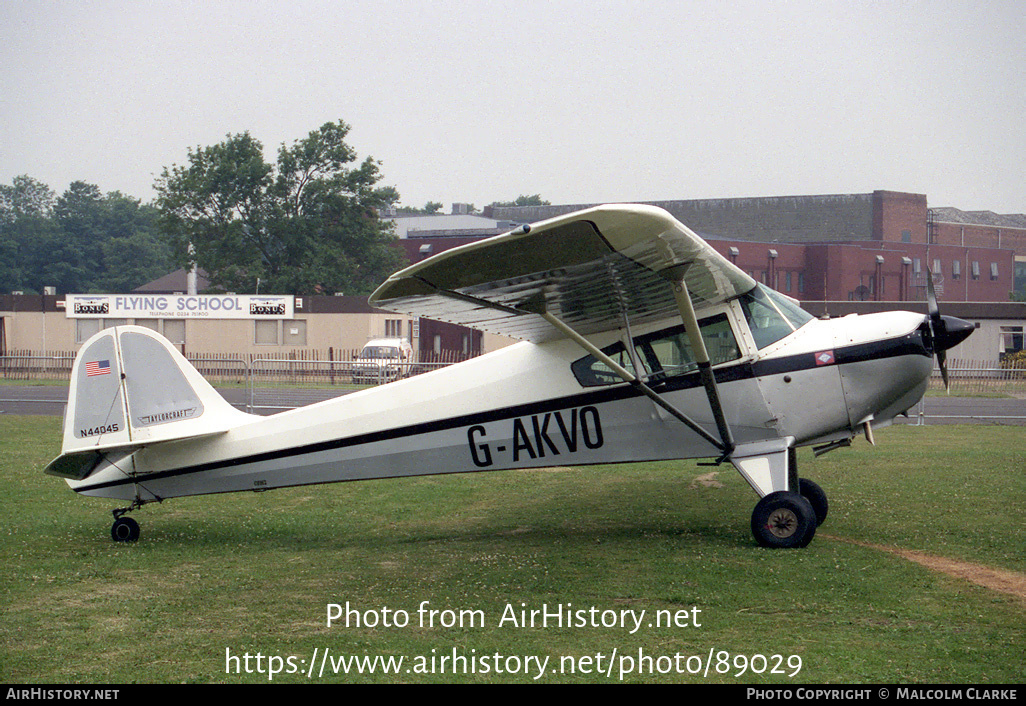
(639,342)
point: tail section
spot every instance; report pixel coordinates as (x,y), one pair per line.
(130,388)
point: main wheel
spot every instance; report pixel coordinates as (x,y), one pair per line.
(783,520)
(124,529)
(816,497)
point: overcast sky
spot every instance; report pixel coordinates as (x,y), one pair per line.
(577,101)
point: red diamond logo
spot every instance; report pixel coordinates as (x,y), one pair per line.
(825,358)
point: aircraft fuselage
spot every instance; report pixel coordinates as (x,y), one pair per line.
(523,407)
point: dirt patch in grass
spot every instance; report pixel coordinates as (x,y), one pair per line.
(707,480)
(1002,580)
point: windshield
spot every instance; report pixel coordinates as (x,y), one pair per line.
(771,316)
(372,352)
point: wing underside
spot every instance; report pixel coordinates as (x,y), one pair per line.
(588,269)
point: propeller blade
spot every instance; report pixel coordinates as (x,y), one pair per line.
(937,327)
(946,331)
(931,297)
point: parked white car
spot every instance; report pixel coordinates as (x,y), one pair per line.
(383,360)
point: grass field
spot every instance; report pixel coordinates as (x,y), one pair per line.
(220,577)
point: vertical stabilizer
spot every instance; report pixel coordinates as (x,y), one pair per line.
(130,387)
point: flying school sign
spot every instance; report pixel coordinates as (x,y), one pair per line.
(179,306)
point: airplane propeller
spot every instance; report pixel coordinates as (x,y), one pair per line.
(946,331)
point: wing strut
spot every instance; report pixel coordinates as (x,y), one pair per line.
(629,377)
(687,312)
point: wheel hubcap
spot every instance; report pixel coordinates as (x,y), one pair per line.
(782,523)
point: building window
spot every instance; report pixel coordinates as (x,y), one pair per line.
(787,281)
(937,265)
(956,269)
(394,328)
(993,271)
(917,265)
(86,329)
(1011,339)
(976,269)
(174,331)
(295,333)
(801,282)
(906,236)
(265,333)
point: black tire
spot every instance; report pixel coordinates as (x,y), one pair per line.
(783,520)
(124,529)
(816,497)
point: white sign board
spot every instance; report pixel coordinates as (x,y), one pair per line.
(179,306)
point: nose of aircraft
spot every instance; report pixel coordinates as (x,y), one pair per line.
(948,332)
(951,332)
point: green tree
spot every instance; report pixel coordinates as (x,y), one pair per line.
(74,250)
(81,241)
(306,224)
(25,197)
(533,200)
(133,251)
(26,230)
(103,243)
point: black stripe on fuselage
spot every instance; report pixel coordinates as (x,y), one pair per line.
(911,344)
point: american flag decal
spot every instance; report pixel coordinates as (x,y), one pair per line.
(97,367)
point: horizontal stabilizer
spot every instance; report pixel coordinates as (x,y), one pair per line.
(75,465)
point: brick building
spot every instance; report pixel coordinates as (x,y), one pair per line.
(874,247)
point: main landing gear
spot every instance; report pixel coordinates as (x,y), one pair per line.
(786,519)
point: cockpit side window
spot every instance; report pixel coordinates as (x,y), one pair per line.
(591,372)
(771,316)
(665,353)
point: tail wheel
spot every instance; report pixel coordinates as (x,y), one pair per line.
(124,529)
(783,520)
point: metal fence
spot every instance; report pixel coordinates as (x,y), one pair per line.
(33,365)
(1007,377)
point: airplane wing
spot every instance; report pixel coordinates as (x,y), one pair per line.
(587,269)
